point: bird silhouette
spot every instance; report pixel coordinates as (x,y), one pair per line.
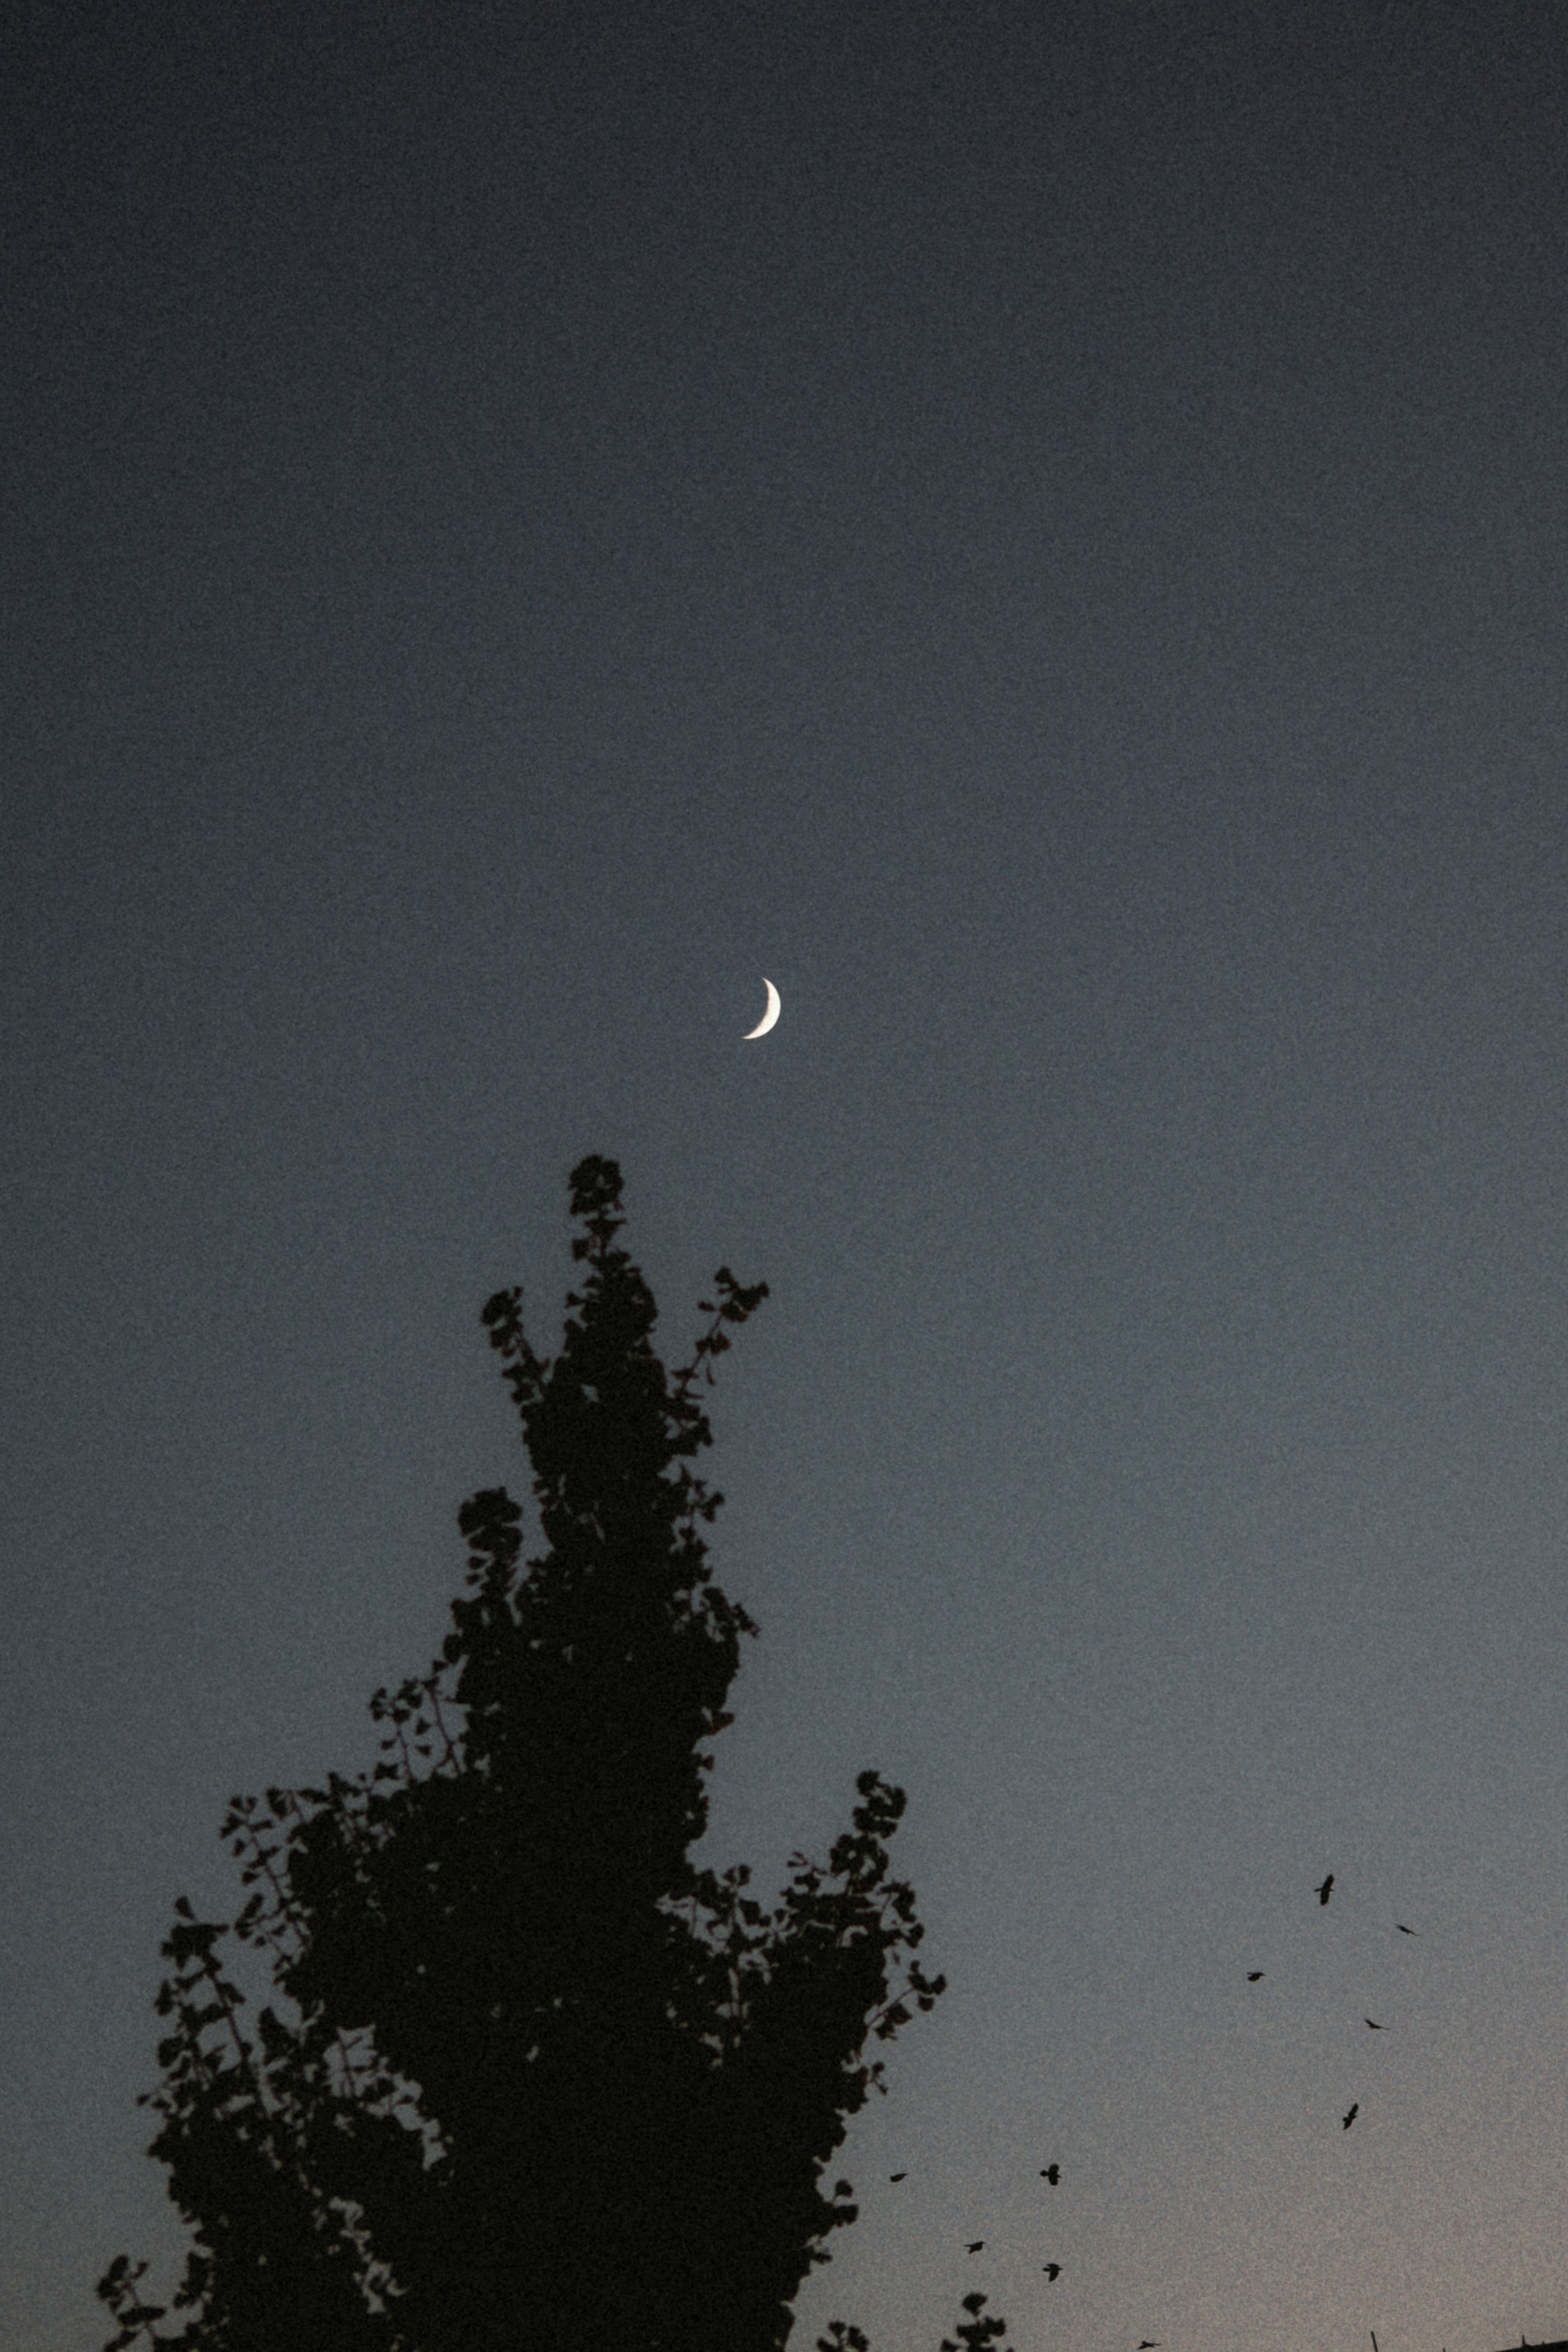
(1323,1892)
(1374,2025)
(1255,1975)
(1403,1928)
(977,2247)
(1053,2173)
(897,2175)
(1352,2115)
(1149,2344)
(1053,2270)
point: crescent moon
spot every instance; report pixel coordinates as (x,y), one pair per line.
(769,1017)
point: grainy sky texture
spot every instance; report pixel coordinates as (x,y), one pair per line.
(1042,530)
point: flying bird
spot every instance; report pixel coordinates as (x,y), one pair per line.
(1256,1976)
(1374,2025)
(1149,2344)
(1403,1928)
(1323,1892)
(977,2247)
(897,2175)
(1053,2270)
(1053,2173)
(1352,2115)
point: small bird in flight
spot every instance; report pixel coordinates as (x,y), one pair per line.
(897,2175)
(1053,2270)
(1374,2025)
(1352,2115)
(1149,2344)
(1053,2173)
(1254,1977)
(1403,1928)
(977,2247)
(1322,1892)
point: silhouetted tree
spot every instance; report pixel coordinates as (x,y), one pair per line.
(552,2086)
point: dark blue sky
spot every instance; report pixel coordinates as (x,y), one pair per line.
(1043,532)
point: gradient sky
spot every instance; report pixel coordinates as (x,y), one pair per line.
(1043,532)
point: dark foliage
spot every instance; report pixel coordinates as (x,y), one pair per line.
(552,2086)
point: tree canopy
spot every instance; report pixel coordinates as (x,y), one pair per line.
(551,2085)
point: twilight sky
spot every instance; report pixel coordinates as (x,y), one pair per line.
(1043,532)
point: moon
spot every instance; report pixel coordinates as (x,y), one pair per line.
(769,1017)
